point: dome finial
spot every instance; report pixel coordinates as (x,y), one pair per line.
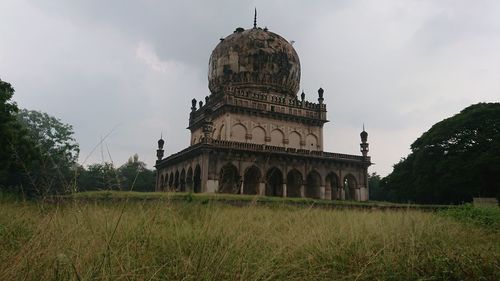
(255,18)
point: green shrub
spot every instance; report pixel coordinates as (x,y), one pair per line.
(488,217)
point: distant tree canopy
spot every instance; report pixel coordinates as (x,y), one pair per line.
(133,175)
(454,161)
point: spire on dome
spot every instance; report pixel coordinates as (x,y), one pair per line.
(255,19)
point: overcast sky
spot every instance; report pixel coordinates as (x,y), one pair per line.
(125,71)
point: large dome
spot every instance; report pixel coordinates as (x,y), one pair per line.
(254,59)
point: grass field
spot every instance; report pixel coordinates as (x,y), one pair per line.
(203,240)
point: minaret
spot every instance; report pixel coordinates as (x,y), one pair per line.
(159,151)
(364,145)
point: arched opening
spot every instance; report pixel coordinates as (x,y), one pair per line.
(162,182)
(311,142)
(189,179)
(165,183)
(274,182)
(332,186)
(251,181)
(294,140)
(313,185)
(277,137)
(229,180)
(293,183)
(238,133)
(171,181)
(350,187)
(176,181)
(182,182)
(258,135)
(197,179)
(222,133)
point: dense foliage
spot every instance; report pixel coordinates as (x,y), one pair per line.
(454,161)
(16,147)
(57,152)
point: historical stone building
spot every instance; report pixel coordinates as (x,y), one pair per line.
(254,135)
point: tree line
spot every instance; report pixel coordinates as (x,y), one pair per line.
(39,154)
(456,160)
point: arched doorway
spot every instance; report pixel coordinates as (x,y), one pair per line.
(176,181)
(313,185)
(197,179)
(293,183)
(274,182)
(162,182)
(189,179)
(251,181)
(332,184)
(350,187)
(171,181)
(229,180)
(182,181)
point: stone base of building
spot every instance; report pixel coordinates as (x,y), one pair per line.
(243,168)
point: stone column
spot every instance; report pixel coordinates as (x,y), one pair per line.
(322,193)
(211,186)
(262,188)
(284,190)
(328,192)
(206,186)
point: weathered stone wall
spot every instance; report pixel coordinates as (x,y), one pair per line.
(259,130)
(294,177)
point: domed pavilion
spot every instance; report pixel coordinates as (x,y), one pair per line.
(254,135)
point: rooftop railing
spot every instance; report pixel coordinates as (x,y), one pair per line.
(269,148)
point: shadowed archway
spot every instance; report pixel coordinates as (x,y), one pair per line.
(332,184)
(251,181)
(171,181)
(176,181)
(293,184)
(197,179)
(229,180)
(182,181)
(313,184)
(274,182)
(350,187)
(189,180)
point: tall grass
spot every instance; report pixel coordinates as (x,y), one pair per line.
(163,240)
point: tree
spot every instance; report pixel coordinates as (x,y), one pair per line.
(16,148)
(374,187)
(135,176)
(455,160)
(98,177)
(54,169)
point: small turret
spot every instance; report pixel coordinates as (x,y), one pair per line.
(193,105)
(364,144)
(159,151)
(320,95)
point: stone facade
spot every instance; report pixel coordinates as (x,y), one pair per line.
(254,135)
